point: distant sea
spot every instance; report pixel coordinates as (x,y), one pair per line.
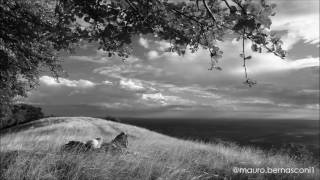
(261,133)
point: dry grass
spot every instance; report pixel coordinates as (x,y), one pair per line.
(33,153)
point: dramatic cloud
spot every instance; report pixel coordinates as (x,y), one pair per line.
(50,81)
(144,42)
(155,83)
(296,29)
(153,54)
(159,98)
(107,82)
(131,84)
(268,63)
(300,19)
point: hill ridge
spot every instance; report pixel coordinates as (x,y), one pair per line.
(186,159)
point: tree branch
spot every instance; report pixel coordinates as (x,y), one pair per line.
(226,2)
(209,11)
(131,5)
(134,7)
(249,37)
(266,47)
(189,17)
(239,4)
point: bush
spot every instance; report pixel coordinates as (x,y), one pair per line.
(298,152)
(22,113)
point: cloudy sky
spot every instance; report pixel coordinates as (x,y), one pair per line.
(152,83)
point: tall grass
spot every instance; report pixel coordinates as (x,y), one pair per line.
(34,154)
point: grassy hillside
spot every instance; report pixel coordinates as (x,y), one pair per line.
(32,151)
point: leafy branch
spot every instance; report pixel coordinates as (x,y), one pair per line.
(32,33)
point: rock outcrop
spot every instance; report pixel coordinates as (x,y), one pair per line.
(117,145)
(94,143)
(74,146)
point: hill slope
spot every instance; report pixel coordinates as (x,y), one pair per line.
(32,151)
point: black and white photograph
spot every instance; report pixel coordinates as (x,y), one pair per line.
(159,90)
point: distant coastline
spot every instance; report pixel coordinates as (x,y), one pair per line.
(263,133)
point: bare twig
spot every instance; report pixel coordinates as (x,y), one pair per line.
(248,81)
(244,55)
